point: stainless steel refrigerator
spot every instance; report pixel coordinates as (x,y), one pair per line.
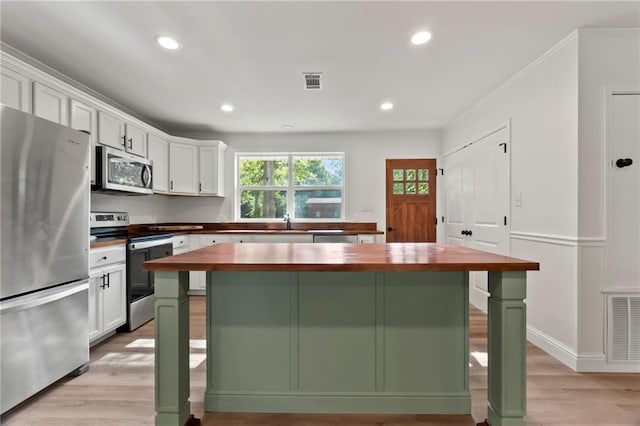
(44,235)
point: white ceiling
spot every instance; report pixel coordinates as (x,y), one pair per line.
(253,54)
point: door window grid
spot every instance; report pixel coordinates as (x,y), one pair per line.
(408,182)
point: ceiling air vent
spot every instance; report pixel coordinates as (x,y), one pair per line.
(312,81)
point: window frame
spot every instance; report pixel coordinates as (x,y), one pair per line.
(290,188)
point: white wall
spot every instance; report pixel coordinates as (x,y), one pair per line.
(365,154)
(141,209)
(542,104)
(608,59)
(557,110)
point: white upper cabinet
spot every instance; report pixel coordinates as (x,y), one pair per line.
(136,139)
(110,130)
(114,132)
(14,90)
(84,117)
(158,152)
(212,168)
(183,168)
(50,104)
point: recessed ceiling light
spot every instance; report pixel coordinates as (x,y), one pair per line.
(226,107)
(386,106)
(168,42)
(420,37)
(287,126)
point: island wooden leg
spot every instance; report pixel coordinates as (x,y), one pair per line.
(507,350)
(172,349)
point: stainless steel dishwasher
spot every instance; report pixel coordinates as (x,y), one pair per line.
(334,238)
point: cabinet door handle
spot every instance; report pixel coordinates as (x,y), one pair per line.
(109,280)
(200,187)
(171,185)
(124,140)
(104,283)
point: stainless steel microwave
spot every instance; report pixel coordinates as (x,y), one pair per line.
(122,173)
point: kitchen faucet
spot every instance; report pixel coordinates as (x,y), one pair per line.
(287,219)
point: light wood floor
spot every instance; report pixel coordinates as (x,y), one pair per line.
(118,390)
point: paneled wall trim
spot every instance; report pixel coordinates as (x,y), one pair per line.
(562,240)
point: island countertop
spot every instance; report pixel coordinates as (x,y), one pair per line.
(339,257)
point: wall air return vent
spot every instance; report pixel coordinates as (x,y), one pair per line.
(312,81)
(623,343)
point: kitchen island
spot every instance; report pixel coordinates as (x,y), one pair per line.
(343,328)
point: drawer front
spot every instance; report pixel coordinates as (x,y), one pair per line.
(179,241)
(106,256)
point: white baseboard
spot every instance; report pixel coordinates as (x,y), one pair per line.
(556,349)
(597,363)
(583,363)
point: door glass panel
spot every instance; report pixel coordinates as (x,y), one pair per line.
(411,174)
(410,187)
(423,174)
(397,174)
(398,188)
(423,188)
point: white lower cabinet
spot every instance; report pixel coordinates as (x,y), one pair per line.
(282,238)
(367,239)
(107,291)
(198,279)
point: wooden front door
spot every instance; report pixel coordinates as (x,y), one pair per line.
(411,200)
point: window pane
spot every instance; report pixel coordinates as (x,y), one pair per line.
(325,203)
(411,188)
(263,204)
(423,174)
(411,174)
(398,188)
(262,171)
(317,170)
(397,174)
(423,188)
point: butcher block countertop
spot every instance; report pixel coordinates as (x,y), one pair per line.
(259,228)
(108,243)
(339,257)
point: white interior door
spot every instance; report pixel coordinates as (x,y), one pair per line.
(454,209)
(623,236)
(477,185)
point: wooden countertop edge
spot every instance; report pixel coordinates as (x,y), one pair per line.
(322,267)
(99,244)
(285,232)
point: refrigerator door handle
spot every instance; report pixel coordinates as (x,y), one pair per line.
(21,305)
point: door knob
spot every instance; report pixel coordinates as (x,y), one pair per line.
(390,229)
(624,162)
(463,232)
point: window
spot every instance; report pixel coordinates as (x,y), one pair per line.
(306,186)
